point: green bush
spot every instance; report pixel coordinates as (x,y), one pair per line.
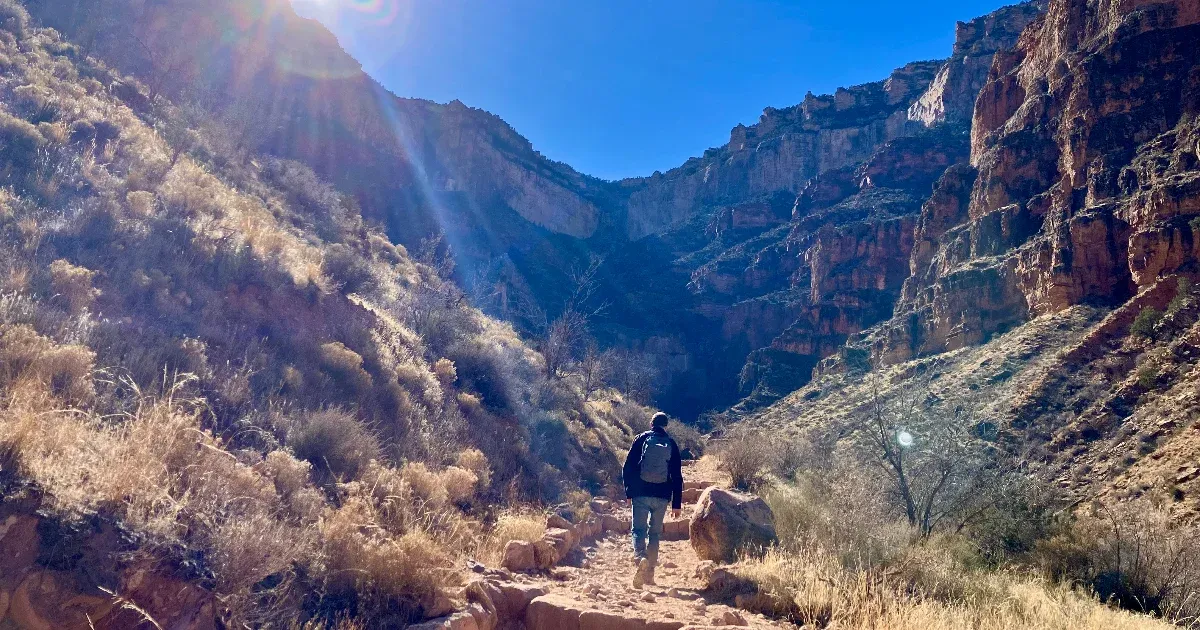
(1183,290)
(1145,322)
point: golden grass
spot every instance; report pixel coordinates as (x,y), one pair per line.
(816,589)
(526,525)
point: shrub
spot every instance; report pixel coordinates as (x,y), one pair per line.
(512,524)
(403,576)
(141,203)
(1145,322)
(19,141)
(460,484)
(29,360)
(13,17)
(475,461)
(424,484)
(1134,555)
(445,371)
(334,442)
(1147,376)
(346,366)
(481,368)
(73,284)
(746,458)
(1183,292)
(349,269)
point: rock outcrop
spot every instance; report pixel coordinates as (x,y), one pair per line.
(727,523)
(69,577)
(1082,179)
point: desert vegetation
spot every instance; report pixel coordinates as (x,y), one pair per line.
(321,419)
(988,548)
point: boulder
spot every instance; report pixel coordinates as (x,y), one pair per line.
(726,522)
(520,556)
(563,541)
(545,553)
(513,600)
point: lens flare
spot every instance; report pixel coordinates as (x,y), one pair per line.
(904,438)
(379,12)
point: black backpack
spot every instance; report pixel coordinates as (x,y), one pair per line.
(655,463)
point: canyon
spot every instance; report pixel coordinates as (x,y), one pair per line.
(1050,161)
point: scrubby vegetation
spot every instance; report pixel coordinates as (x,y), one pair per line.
(1017,556)
(310,418)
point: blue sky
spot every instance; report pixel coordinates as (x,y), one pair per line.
(620,88)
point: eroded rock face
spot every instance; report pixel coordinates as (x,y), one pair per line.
(727,522)
(68,595)
(1083,179)
(951,95)
(783,151)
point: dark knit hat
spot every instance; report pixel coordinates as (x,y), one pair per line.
(660,420)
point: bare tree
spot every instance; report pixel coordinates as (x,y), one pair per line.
(932,451)
(567,336)
(179,127)
(594,369)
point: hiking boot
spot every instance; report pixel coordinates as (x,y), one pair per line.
(639,575)
(648,575)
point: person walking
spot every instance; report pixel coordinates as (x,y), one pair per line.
(653,477)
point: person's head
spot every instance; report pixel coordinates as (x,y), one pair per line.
(659,421)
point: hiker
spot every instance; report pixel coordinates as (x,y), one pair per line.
(653,476)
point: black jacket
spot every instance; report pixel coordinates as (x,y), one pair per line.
(632,473)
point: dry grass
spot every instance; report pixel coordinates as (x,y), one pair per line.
(526,525)
(332,456)
(816,589)
(842,563)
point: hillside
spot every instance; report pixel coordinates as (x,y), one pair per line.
(218,378)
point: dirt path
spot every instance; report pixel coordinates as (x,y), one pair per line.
(599,591)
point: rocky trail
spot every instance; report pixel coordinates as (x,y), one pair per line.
(589,586)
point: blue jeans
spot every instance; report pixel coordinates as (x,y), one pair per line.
(648,515)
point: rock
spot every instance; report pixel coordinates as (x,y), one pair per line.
(513,600)
(600,620)
(601,506)
(549,612)
(705,569)
(725,584)
(615,524)
(520,556)
(691,495)
(733,618)
(557,521)
(648,597)
(676,529)
(727,522)
(173,603)
(562,540)
(48,600)
(457,621)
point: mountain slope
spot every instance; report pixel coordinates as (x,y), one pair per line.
(226,396)
(1081,193)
